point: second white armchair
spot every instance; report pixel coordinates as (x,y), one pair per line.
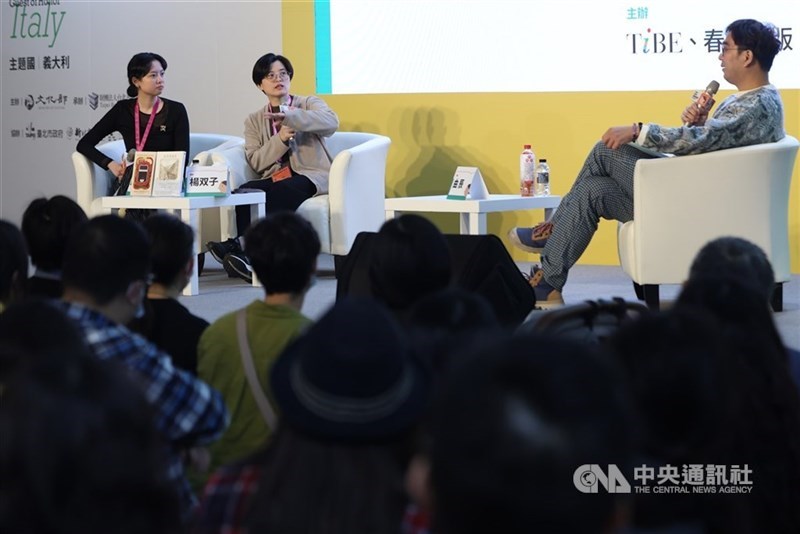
(356,190)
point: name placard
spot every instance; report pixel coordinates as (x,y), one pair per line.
(207,180)
(467,183)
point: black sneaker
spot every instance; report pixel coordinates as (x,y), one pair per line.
(220,249)
(238,266)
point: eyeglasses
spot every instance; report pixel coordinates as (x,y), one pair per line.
(725,48)
(280,75)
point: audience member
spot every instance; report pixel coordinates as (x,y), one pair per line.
(444,326)
(410,259)
(675,364)
(349,392)
(513,425)
(79,452)
(739,259)
(46,225)
(713,393)
(283,249)
(13,264)
(166,322)
(106,267)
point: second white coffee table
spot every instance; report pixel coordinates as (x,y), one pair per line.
(472,212)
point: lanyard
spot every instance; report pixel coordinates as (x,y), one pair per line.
(272,122)
(142,139)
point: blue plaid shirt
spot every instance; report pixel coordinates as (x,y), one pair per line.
(188,411)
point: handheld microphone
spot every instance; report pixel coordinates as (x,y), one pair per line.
(704,99)
(121,187)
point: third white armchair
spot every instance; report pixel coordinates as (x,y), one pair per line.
(682,203)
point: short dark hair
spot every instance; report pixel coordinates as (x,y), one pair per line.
(283,249)
(47,225)
(761,39)
(513,424)
(104,255)
(171,246)
(410,259)
(264,63)
(738,258)
(139,66)
(13,259)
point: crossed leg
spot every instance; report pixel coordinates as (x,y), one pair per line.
(603,189)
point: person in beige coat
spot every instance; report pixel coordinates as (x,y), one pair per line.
(285,145)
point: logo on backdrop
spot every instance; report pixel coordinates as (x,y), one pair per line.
(656,43)
(651,41)
(36,133)
(58,101)
(37,19)
(103,101)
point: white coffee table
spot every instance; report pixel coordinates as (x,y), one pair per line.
(189,209)
(473,212)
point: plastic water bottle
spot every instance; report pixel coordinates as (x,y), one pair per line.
(542,185)
(527,171)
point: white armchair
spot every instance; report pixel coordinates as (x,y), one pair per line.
(356,189)
(682,203)
(94,182)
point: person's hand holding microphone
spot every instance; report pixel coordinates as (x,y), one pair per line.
(697,112)
(285,133)
(118,169)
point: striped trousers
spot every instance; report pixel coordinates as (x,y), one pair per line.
(603,188)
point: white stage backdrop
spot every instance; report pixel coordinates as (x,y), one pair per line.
(444,46)
(64,65)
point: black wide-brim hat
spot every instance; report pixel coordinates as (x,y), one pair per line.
(352,376)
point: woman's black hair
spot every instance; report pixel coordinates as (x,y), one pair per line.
(264,63)
(47,225)
(139,66)
(410,259)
